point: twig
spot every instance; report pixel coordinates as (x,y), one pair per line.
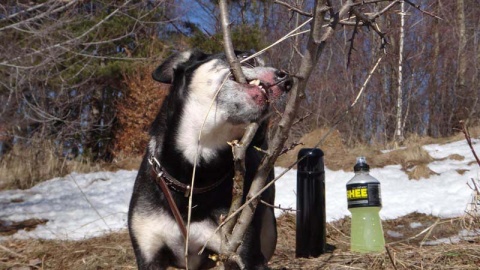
(239,150)
(192,184)
(429,231)
(227,44)
(12,252)
(290,7)
(352,39)
(421,10)
(44,14)
(290,147)
(290,209)
(475,186)
(391,258)
(469,141)
(60,44)
(89,202)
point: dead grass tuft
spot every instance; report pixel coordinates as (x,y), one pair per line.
(26,165)
(420,171)
(408,157)
(456,157)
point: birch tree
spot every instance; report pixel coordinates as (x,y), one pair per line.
(399,137)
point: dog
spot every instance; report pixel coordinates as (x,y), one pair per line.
(204,98)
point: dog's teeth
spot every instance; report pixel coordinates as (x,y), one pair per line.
(255,82)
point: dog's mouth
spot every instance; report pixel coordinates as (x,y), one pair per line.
(262,87)
(263,92)
(258,91)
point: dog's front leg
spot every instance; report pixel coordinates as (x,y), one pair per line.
(150,234)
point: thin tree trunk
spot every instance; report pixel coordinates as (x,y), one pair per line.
(399,136)
(466,99)
(433,88)
(462,44)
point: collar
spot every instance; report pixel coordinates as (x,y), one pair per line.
(174,184)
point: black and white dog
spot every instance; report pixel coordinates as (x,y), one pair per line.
(195,79)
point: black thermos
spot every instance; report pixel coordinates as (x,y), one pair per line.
(311,217)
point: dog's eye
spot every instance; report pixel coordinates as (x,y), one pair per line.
(250,62)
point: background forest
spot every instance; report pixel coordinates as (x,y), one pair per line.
(75,75)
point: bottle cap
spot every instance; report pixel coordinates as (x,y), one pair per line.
(361,165)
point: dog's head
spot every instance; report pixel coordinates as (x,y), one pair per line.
(205,78)
(204,96)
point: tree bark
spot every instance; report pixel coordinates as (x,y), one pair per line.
(399,137)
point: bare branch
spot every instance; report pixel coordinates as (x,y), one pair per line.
(256,196)
(9,17)
(295,9)
(42,15)
(227,43)
(469,141)
(421,10)
(6,62)
(290,209)
(314,49)
(239,150)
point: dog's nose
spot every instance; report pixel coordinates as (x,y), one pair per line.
(284,79)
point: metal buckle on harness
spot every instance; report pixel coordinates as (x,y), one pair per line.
(187,191)
(153,161)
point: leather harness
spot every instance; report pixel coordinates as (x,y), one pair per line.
(167,182)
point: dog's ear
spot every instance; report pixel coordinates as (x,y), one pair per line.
(164,73)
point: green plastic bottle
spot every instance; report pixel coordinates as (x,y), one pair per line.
(364,202)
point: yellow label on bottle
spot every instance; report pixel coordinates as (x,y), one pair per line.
(363,195)
(357,193)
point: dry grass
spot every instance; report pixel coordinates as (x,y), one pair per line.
(412,157)
(123,162)
(336,155)
(26,165)
(114,251)
(406,251)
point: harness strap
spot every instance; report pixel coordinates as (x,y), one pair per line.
(165,180)
(159,178)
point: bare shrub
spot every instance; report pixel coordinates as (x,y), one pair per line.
(137,110)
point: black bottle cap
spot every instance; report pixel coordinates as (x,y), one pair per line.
(361,165)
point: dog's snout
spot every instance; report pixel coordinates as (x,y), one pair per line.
(284,79)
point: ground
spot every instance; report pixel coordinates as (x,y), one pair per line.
(415,241)
(407,244)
